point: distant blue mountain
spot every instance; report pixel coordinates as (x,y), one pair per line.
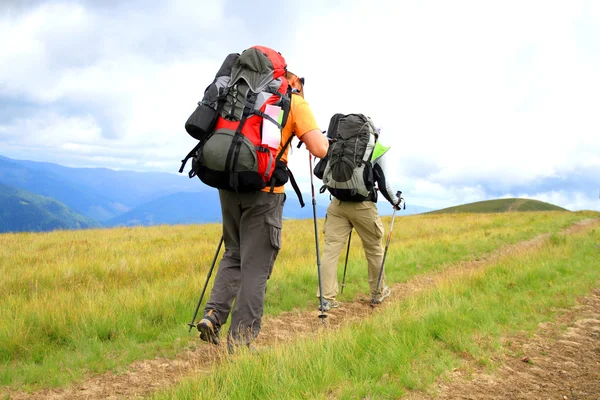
(127,198)
(23,211)
(126,187)
(176,208)
(98,193)
(49,184)
(204,207)
(198,208)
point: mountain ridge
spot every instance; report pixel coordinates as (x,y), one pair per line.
(24,211)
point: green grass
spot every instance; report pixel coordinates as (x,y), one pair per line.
(81,302)
(500,206)
(414,342)
(425,243)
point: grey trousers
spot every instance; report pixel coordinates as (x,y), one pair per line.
(252,235)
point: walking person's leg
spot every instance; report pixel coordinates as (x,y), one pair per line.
(335,232)
(227,279)
(369,227)
(260,233)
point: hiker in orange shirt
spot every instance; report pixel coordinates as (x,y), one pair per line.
(252,223)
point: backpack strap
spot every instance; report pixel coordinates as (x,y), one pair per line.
(285,102)
(289,173)
(286,105)
(266,116)
(279,158)
(236,143)
(296,188)
(190,155)
(234,149)
(220,101)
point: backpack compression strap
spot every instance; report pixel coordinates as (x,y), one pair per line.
(190,155)
(266,116)
(236,143)
(286,107)
(234,149)
(220,101)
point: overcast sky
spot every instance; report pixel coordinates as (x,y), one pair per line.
(478,99)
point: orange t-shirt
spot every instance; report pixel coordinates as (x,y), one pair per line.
(300,120)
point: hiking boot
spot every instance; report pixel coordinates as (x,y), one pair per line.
(382,295)
(209,328)
(329,304)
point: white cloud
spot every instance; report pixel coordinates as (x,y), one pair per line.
(140,101)
(483,91)
(573,201)
(49,130)
(472,95)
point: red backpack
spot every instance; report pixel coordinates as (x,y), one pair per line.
(238,124)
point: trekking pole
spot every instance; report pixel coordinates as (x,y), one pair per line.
(191,324)
(314,203)
(346,263)
(373,303)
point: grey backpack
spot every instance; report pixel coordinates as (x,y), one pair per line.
(346,170)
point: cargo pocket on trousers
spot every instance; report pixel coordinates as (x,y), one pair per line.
(274,227)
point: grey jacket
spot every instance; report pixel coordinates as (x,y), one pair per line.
(382,184)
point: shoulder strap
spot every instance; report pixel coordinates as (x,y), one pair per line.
(296,188)
(289,172)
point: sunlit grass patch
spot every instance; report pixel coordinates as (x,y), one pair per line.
(410,344)
(79,302)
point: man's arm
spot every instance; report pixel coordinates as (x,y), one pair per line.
(306,128)
(316,143)
(384,186)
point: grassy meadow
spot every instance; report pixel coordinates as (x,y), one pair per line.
(415,341)
(90,301)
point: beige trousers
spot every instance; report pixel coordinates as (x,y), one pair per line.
(340,219)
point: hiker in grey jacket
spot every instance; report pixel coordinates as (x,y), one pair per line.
(342,217)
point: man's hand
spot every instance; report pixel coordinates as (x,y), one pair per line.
(400,201)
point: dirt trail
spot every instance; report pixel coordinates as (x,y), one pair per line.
(144,377)
(554,364)
(515,206)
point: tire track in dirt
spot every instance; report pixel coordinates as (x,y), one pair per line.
(144,377)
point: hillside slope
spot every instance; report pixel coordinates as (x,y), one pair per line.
(21,210)
(177,208)
(499,206)
(198,208)
(98,193)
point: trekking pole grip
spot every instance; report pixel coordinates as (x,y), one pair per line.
(400,200)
